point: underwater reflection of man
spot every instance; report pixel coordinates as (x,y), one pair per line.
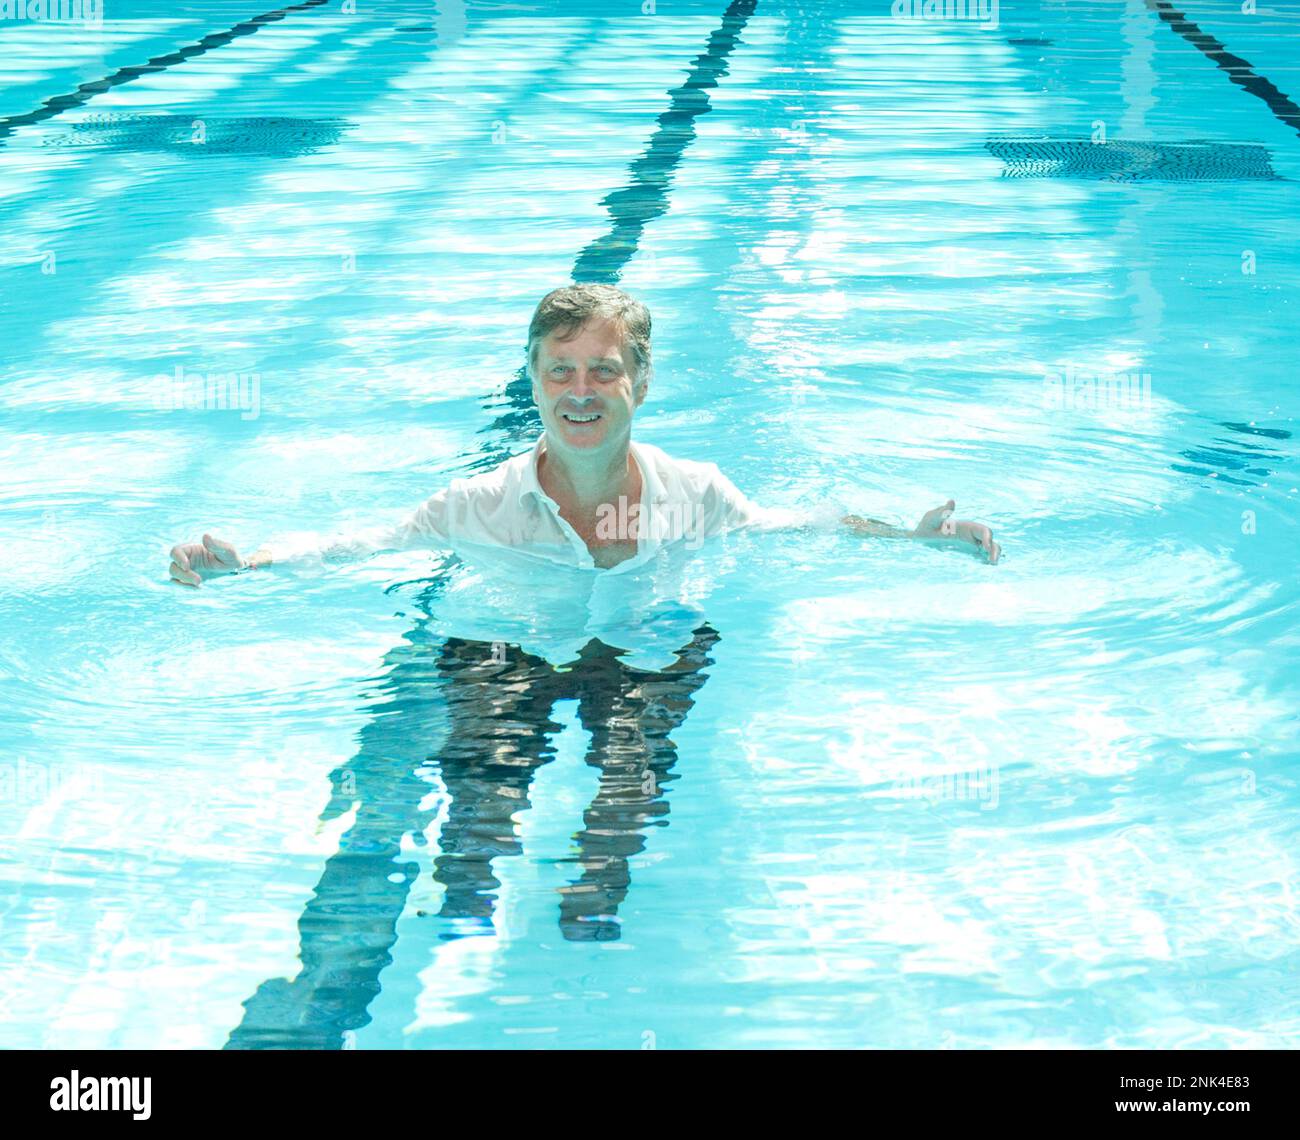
(499,735)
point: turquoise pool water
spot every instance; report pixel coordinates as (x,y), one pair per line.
(912,800)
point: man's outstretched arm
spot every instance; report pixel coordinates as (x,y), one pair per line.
(194,562)
(936,526)
(729,507)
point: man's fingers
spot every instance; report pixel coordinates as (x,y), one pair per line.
(948,525)
(222,549)
(940,523)
(212,555)
(982,537)
(936,518)
(184,576)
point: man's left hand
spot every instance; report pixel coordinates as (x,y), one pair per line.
(938,525)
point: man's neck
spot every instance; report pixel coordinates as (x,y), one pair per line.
(583,483)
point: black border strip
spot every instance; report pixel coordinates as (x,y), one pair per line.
(1239,70)
(87,91)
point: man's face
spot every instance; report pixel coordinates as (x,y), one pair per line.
(584,389)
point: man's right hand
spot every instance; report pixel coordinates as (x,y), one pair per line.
(193,562)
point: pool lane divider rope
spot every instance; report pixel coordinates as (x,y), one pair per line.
(1239,70)
(87,91)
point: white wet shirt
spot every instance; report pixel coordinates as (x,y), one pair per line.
(505,514)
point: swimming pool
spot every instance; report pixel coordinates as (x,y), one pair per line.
(914,800)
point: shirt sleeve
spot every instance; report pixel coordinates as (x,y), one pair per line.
(423,528)
(728,508)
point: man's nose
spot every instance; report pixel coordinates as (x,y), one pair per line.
(583,389)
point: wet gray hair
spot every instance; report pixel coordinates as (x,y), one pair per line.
(567,309)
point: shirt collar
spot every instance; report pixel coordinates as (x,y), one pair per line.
(652,487)
(528,481)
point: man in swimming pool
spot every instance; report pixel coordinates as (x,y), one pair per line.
(586,495)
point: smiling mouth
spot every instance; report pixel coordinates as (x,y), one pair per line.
(580,418)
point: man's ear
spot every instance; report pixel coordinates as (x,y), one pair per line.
(640,389)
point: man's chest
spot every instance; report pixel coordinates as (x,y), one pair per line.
(608,545)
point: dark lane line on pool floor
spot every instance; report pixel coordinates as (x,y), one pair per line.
(348,928)
(645,197)
(87,91)
(1244,75)
(1239,70)
(630,208)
